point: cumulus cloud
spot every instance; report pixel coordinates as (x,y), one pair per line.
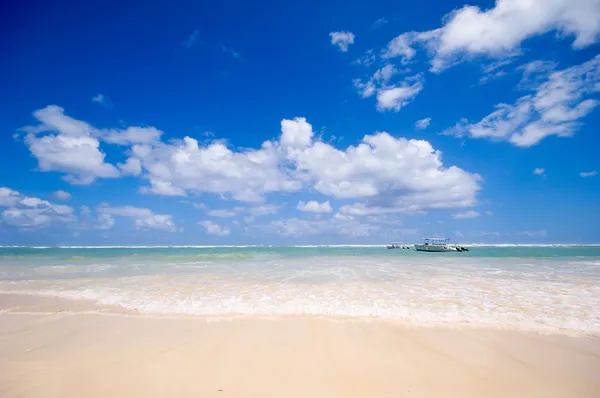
(391,173)
(143,219)
(588,173)
(315,207)
(538,171)
(556,107)
(62,195)
(423,123)
(31,212)
(465,215)
(498,32)
(212,228)
(61,143)
(342,40)
(382,171)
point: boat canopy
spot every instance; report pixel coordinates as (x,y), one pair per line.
(436,240)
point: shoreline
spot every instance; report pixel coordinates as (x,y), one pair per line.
(42,304)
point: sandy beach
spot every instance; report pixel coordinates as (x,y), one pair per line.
(57,348)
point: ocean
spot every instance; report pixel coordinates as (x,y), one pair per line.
(552,287)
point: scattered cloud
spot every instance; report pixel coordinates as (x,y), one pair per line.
(367,59)
(143,219)
(538,171)
(62,195)
(395,97)
(379,23)
(100,98)
(532,234)
(489,213)
(495,70)
(342,40)
(231,51)
(465,215)
(588,173)
(423,123)
(212,228)
(191,40)
(555,108)
(498,32)
(315,207)
(31,212)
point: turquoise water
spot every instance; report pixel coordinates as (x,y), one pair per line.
(529,287)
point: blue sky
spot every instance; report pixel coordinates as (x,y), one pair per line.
(316,122)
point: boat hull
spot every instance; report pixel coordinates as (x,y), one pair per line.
(434,248)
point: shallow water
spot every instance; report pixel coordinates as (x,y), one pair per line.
(529,287)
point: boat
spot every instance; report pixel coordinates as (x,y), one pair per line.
(398,245)
(437,244)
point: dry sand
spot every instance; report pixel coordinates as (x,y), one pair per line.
(59,354)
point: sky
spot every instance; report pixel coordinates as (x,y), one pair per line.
(329,122)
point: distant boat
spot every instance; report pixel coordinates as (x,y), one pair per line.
(398,245)
(437,244)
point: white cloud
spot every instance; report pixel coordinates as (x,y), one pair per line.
(131,135)
(538,171)
(394,97)
(100,98)
(389,96)
(133,166)
(367,59)
(532,234)
(342,40)
(225,213)
(26,211)
(84,211)
(8,197)
(212,228)
(263,210)
(379,22)
(315,207)
(104,221)
(392,173)
(489,213)
(385,172)
(498,32)
(555,108)
(423,123)
(184,166)
(465,215)
(67,147)
(337,226)
(588,173)
(62,195)
(143,219)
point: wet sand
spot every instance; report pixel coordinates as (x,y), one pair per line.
(57,348)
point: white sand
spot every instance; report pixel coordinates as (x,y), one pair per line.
(58,354)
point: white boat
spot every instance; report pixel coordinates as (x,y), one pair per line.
(437,244)
(398,245)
